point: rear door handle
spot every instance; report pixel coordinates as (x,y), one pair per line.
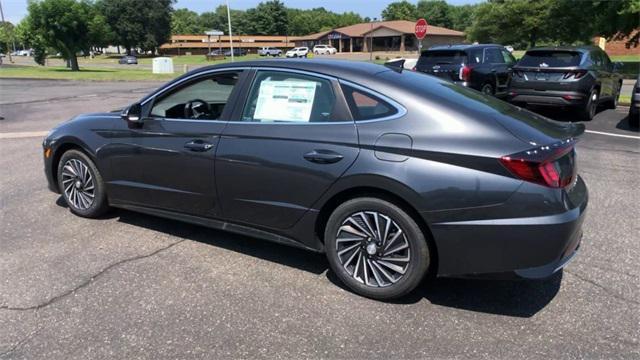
(198,145)
(323,156)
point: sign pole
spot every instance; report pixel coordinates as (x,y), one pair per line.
(421,31)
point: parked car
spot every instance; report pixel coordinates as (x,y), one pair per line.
(269,51)
(297,52)
(634,109)
(580,78)
(236,52)
(128,60)
(324,50)
(484,67)
(216,52)
(400,173)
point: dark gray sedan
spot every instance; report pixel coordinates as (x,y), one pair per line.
(128,60)
(393,174)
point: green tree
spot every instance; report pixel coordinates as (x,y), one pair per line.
(184,21)
(515,22)
(269,18)
(67,26)
(400,10)
(462,16)
(141,23)
(436,12)
(7,34)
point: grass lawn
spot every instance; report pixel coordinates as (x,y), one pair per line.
(624,99)
(101,74)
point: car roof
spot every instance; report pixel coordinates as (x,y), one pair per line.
(462,46)
(581,49)
(345,69)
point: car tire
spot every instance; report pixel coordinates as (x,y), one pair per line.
(613,104)
(81,185)
(634,118)
(590,108)
(487,89)
(383,264)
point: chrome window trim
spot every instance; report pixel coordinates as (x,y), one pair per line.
(204,72)
(401,110)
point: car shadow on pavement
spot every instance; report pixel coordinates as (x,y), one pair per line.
(517,298)
(624,124)
(503,297)
(265,250)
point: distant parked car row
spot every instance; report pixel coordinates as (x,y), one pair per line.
(581,78)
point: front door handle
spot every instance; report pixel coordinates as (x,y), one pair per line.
(323,156)
(198,145)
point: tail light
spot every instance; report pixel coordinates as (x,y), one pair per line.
(576,74)
(553,166)
(465,73)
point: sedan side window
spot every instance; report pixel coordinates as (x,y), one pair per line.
(203,99)
(289,97)
(365,106)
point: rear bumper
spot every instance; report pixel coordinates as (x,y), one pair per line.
(547,98)
(530,247)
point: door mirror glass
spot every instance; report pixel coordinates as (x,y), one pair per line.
(132,113)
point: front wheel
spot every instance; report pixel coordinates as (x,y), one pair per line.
(81,185)
(376,248)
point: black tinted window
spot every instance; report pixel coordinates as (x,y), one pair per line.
(442,57)
(493,56)
(365,106)
(544,58)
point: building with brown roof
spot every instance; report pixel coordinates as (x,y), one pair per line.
(397,35)
(394,35)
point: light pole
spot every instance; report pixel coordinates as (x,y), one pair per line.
(230,34)
(371,40)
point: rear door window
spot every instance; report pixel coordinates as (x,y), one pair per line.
(550,58)
(493,56)
(442,57)
(366,106)
(289,97)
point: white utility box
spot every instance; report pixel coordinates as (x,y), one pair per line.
(162,65)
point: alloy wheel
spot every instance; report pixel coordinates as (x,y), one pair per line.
(78,184)
(373,249)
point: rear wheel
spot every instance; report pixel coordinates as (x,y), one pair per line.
(487,89)
(376,248)
(589,109)
(81,185)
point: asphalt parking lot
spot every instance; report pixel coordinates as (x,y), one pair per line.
(134,286)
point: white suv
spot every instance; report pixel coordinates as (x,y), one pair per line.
(324,50)
(297,52)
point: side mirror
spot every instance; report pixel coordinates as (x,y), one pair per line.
(132,114)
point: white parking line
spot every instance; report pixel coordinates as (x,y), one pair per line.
(20,135)
(612,134)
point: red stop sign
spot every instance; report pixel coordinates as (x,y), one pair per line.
(421,28)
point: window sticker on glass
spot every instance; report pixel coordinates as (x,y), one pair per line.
(285,100)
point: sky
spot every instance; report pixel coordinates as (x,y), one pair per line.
(15,10)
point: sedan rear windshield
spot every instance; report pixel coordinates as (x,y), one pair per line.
(442,57)
(553,58)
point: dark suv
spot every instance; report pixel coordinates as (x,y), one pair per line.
(484,67)
(578,77)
